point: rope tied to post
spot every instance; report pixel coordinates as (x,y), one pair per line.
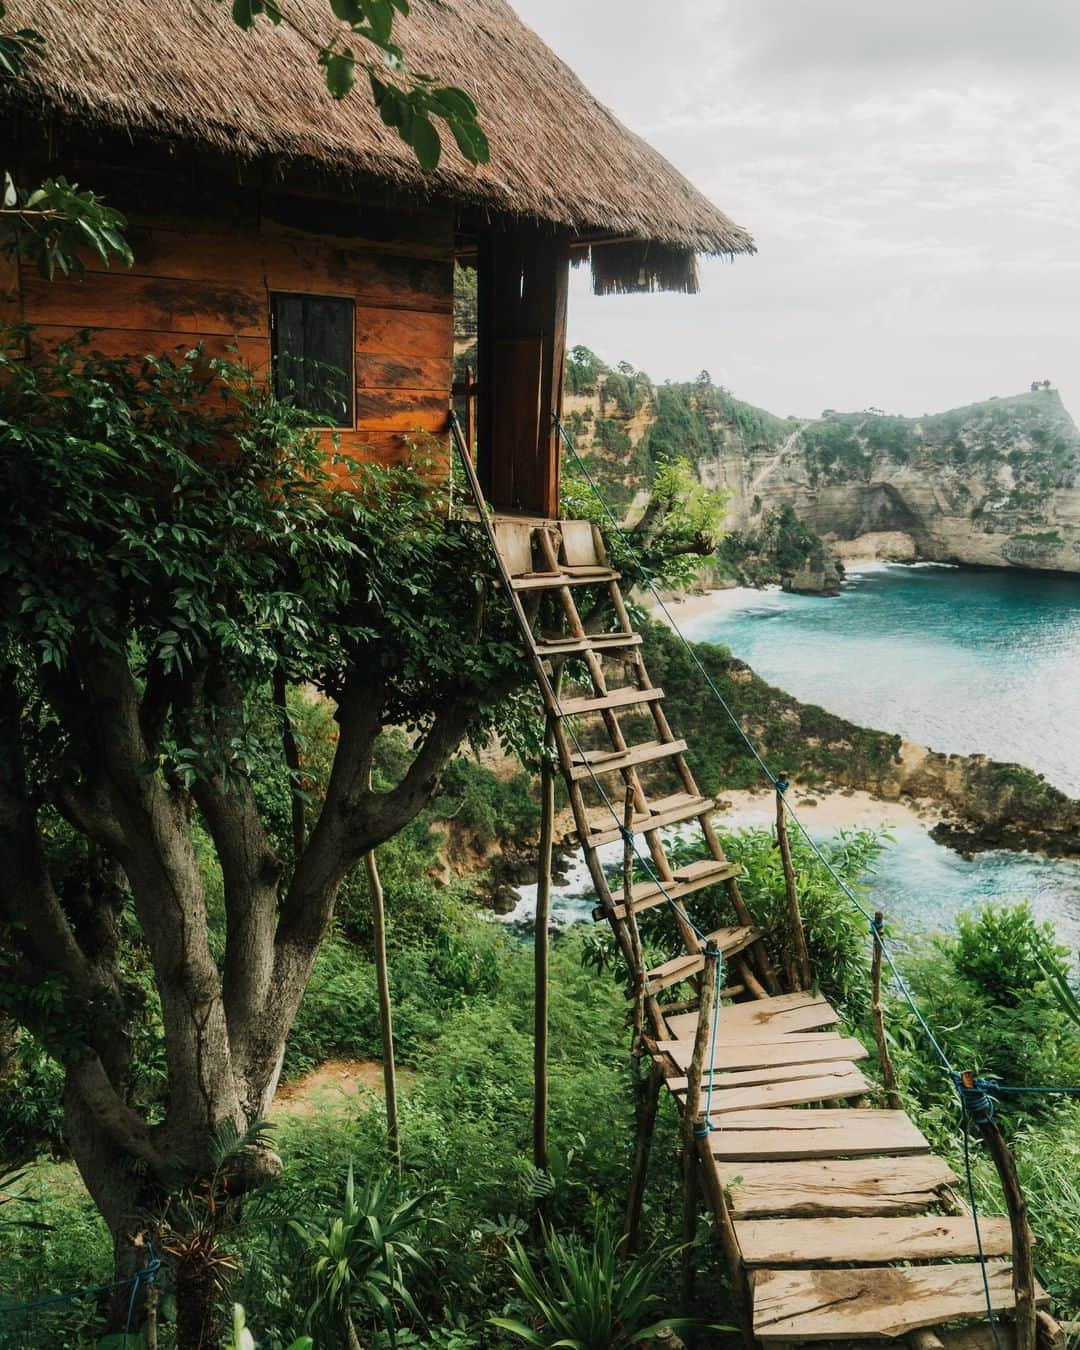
(972,1092)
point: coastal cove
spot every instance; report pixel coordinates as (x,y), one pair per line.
(963,660)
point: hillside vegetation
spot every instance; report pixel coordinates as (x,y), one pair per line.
(994,483)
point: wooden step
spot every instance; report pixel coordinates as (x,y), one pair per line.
(549,581)
(767,1017)
(599,643)
(647,894)
(784,1134)
(679,968)
(770,1061)
(783,1073)
(616,698)
(594,762)
(877,1301)
(674,810)
(825,1242)
(835,1186)
(832,1083)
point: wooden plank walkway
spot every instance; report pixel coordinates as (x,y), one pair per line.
(843,1224)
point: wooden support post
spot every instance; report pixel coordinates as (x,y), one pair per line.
(729,1243)
(637,970)
(1023,1267)
(888,1075)
(757,949)
(642,1145)
(386,1024)
(540,950)
(798,936)
(924,1339)
(691,1120)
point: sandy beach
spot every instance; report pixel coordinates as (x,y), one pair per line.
(832,809)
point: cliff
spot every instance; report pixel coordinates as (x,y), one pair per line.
(995,483)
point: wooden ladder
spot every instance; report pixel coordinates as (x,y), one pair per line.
(546,565)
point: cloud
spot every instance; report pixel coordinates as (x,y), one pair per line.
(911,175)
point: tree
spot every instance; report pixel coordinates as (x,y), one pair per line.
(173,550)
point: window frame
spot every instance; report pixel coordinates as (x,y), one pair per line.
(348,369)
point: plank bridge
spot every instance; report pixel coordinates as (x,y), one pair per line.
(838,1221)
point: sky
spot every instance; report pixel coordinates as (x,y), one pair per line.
(910,174)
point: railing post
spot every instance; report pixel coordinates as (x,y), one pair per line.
(978,1106)
(888,1075)
(801,971)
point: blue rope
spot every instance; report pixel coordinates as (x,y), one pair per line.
(146,1275)
(990,1085)
(977,1105)
(718,958)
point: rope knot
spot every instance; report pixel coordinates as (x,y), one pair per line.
(877,925)
(973,1096)
(703,1130)
(627,835)
(781,784)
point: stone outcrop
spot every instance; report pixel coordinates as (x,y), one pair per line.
(821,574)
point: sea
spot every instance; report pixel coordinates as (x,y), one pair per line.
(960,659)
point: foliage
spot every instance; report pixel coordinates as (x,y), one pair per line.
(590,1299)
(779,545)
(355,1264)
(582,370)
(52,223)
(242,1339)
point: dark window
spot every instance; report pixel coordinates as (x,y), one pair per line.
(313,354)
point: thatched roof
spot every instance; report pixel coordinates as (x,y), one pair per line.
(184,71)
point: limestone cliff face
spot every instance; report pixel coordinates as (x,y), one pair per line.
(996,483)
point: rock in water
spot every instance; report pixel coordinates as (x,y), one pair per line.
(820,574)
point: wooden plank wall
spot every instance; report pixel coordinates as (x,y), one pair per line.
(207,278)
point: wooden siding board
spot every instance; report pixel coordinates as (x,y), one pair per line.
(392,371)
(407,332)
(119,300)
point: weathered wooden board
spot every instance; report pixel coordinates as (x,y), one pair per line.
(118,300)
(781,1073)
(380,447)
(768,1053)
(252,351)
(978,1337)
(836,1186)
(878,1301)
(830,1133)
(382,371)
(830,1085)
(832,1241)
(408,332)
(781,1015)
(402,410)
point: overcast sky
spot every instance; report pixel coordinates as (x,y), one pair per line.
(910,173)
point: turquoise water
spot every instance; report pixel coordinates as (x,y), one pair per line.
(963,661)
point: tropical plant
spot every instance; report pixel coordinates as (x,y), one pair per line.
(590,1299)
(242,1339)
(359,1261)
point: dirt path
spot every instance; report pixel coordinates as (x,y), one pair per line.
(337,1087)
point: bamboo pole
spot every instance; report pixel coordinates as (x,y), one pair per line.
(798,936)
(691,1120)
(541,950)
(637,970)
(386,1022)
(642,1145)
(1023,1266)
(888,1074)
(757,950)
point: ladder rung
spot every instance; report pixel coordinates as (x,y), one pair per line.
(543,581)
(647,894)
(616,698)
(667,811)
(611,761)
(679,968)
(602,642)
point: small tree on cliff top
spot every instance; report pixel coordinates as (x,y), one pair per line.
(172,551)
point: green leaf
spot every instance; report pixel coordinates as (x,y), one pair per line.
(244,13)
(348,11)
(340,72)
(424,139)
(471,140)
